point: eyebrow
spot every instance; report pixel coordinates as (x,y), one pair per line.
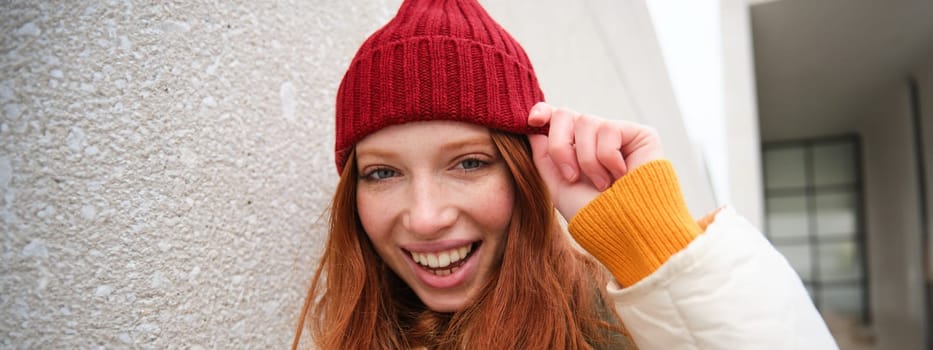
(472,141)
(485,141)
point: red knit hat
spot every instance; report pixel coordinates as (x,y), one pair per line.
(436,60)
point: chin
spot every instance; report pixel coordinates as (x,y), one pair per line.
(444,306)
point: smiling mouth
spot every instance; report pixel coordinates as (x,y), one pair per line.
(444,262)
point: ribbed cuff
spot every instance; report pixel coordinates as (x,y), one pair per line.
(637,224)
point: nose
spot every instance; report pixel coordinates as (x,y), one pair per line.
(430,210)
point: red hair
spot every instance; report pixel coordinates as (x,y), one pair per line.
(545,295)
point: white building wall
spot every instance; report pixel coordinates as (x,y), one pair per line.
(708,53)
(924,76)
(892,218)
(743,145)
(690,35)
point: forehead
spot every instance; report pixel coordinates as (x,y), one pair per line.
(423,134)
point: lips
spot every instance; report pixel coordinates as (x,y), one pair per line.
(443,265)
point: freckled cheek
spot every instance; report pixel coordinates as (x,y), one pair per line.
(374,215)
(495,204)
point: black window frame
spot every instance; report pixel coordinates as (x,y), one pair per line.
(810,191)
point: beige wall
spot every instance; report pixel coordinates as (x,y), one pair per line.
(892,215)
(924,77)
(164,168)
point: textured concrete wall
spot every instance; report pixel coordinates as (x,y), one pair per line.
(164,167)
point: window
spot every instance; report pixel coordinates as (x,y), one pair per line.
(813,194)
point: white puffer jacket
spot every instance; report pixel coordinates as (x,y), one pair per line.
(728,289)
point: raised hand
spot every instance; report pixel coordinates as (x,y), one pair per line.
(582,155)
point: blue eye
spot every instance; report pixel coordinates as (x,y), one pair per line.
(472,163)
(380,174)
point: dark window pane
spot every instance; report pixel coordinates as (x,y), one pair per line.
(787,217)
(834,164)
(845,300)
(784,168)
(836,215)
(839,262)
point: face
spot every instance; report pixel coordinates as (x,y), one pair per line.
(435,199)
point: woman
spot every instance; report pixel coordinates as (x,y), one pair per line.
(443,232)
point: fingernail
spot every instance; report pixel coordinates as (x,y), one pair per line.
(539,109)
(601,183)
(568,172)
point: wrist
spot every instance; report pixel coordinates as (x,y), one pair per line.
(637,224)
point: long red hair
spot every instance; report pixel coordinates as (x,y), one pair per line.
(545,295)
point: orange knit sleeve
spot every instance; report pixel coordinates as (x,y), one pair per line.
(637,224)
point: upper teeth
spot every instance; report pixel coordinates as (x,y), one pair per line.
(442,259)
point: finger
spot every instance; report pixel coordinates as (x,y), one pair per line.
(640,144)
(539,150)
(585,143)
(560,143)
(608,149)
(540,114)
(543,163)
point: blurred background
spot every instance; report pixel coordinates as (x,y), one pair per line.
(165,168)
